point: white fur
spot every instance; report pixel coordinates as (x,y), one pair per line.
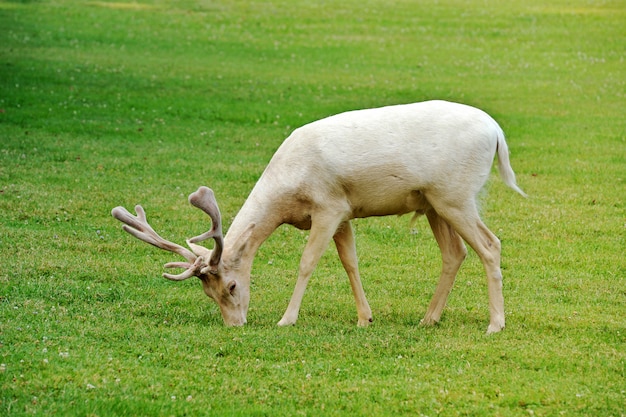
(430,158)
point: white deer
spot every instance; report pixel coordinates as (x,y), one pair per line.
(428,158)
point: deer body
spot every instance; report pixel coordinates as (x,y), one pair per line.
(427,158)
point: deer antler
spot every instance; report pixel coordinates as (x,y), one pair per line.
(204,199)
(138,226)
(196,265)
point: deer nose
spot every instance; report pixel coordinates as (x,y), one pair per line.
(235,321)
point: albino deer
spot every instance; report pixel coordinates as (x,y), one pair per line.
(428,158)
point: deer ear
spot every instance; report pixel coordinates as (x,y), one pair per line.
(243,239)
(241,244)
(248,232)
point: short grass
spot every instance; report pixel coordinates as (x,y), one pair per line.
(108,103)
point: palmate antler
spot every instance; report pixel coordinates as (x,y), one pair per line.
(196,264)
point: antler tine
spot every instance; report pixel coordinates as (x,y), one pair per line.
(204,199)
(191,271)
(138,226)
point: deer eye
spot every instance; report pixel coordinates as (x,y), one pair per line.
(231,287)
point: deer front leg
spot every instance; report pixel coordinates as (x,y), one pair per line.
(346,248)
(322,231)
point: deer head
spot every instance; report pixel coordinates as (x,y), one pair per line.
(219,279)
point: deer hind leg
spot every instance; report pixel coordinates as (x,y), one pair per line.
(346,248)
(453,253)
(322,230)
(465,220)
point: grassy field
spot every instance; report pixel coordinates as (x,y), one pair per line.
(113,103)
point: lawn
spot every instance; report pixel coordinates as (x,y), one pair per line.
(114,103)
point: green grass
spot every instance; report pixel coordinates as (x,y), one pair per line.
(105,104)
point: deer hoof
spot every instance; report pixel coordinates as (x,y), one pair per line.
(495,328)
(428,322)
(365,322)
(286,322)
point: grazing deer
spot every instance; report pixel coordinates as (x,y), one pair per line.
(428,158)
